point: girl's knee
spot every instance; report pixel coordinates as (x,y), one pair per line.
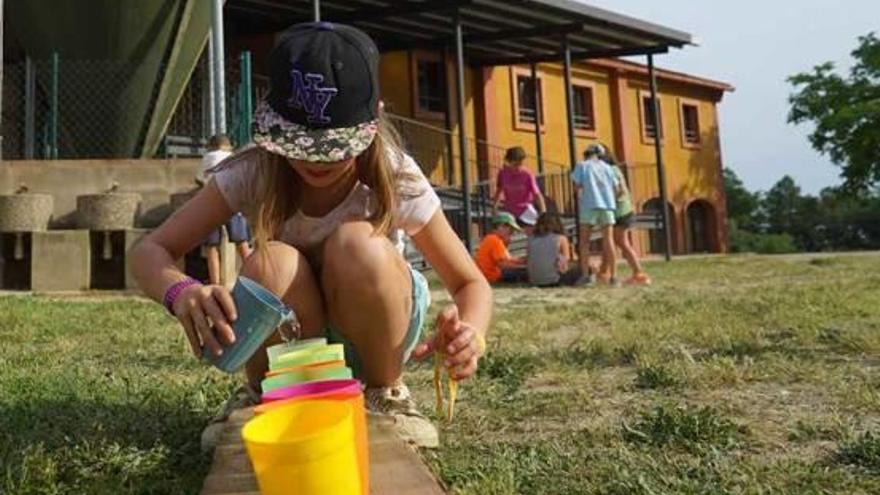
(276,268)
(353,252)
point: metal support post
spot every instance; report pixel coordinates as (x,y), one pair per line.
(245,95)
(2,62)
(316,6)
(447,122)
(569,115)
(658,151)
(212,90)
(30,108)
(462,137)
(539,144)
(53,108)
(218,65)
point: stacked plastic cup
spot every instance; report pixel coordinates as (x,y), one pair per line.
(305,447)
(301,433)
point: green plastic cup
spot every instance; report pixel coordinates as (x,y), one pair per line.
(278,350)
(308,355)
(304,375)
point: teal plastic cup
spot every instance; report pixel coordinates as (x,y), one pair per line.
(260,313)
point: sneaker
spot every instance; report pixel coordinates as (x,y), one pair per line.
(585,281)
(641,278)
(396,403)
(242,398)
(608,280)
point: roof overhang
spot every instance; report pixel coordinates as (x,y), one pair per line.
(496,32)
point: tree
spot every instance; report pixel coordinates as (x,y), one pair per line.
(742,205)
(781,205)
(846,113)
(789,212)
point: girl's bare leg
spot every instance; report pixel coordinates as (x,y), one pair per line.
(212,258)
(368,290)
(584,249)
(626,248)
(285,272)
(609,257)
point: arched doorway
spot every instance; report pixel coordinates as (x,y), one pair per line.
(656,241)
(701,227)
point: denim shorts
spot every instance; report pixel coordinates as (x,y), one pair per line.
(236,229)
(421,301)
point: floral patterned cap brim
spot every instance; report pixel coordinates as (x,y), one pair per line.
(278,135)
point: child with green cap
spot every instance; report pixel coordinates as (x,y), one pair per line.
(493,258)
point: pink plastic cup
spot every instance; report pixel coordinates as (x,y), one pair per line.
(313,390)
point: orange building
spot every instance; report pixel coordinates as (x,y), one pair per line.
(612,106)
(494,42)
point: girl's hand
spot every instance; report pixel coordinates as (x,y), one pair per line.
(455,339)
(205,311)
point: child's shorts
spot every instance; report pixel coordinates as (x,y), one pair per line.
(597,217)
(421,300)
(236,229)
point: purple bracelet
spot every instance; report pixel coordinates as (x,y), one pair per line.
(174,291)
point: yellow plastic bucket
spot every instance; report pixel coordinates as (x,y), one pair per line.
(305,448)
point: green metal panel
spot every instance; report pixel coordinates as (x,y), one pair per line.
(189,42)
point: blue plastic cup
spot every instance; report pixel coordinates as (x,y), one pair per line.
(260,312)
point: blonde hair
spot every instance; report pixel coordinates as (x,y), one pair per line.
(219,142)
(279,186)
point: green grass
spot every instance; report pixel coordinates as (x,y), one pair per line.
(745,375)
(100,398)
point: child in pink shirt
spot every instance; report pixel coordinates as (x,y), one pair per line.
(520,190)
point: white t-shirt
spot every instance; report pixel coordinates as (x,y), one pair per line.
(417,201)
(210,160)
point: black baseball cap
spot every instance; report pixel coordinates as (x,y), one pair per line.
(323,96)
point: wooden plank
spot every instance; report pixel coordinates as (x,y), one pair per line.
(395,467)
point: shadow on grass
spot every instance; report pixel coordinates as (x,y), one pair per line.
(75,445)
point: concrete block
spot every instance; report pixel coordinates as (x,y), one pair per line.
(154,209)
(60,260)
(132,237)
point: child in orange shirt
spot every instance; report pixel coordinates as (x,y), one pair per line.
(492,257)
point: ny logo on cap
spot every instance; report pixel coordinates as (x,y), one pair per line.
(306,94)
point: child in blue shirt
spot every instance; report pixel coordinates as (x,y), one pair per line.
(598,187)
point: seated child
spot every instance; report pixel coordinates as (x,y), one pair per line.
(549,255)
(492,257)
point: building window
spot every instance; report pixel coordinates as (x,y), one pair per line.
(525,92)
(431,86)
(690,121)
(648,129)
(584,117)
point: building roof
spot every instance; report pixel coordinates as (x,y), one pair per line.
(496,32)
(669,75)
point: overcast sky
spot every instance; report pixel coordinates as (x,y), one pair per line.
(755,46)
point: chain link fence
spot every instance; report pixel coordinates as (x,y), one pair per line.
(85,109)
